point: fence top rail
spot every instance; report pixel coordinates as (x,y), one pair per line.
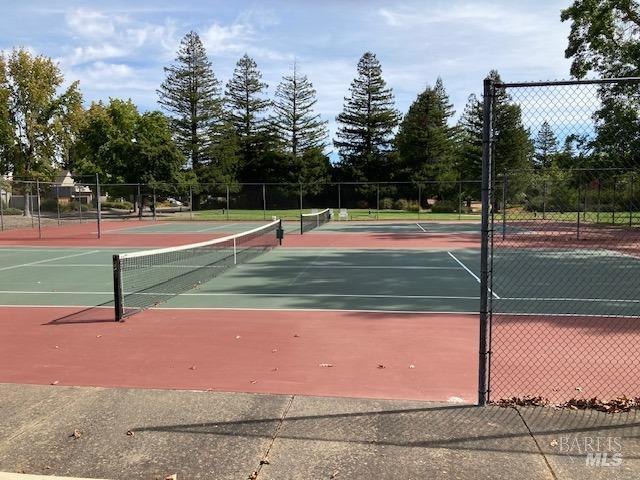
(554,83)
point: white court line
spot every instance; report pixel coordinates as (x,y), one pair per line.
(495,295)
(421,227)
(569,299)
(48,260)
(249,309)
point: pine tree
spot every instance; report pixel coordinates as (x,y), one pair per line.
(246,112)
(297,127)
(191,93)
(512,146)
(366,124)
(425,140)
(546,145)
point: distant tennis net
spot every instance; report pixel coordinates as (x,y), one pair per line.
(144,279)
(309,221)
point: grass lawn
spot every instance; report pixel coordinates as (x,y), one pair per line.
(354,214)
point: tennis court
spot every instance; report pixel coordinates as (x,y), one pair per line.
(382,309)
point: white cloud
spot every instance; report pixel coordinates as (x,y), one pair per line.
(91,23)
(220,39)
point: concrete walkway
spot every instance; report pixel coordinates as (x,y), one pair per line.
(153,434)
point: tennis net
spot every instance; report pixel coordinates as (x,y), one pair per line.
(309,221)
(144,279)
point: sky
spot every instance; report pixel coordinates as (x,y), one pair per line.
(119,48)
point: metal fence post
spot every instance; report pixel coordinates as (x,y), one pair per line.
(1,210)
(153,200)
(228,205)
(301,199)
(484,347)
(139,204)
(459,199)
(578,208)
(419,200)
(544,199)
(38,198)
(505,185)
(98,207)
(339,197)
(264,202)
(190,202)
(599,206)
(615,201)
(58,203)
(630,203)
(377,201)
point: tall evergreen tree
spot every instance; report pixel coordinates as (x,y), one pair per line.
(513,148)
(425,140)
(244,96)
(191,93)
(546,146)
(366,124)
(296,125)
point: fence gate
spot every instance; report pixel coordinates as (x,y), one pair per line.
(560,299)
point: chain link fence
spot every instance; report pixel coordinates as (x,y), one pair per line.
(67,202)
(560,315)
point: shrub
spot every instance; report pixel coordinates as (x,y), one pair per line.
(413,206)
(362,204)
(386,203)
(445,206)
(121,205)
(75,206)
(11,211)
(49,205)
(401,204)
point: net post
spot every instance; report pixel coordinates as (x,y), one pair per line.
(117,288)
(190,202)
(484,347)
(98,207)
(38,199)
(235,253)
(281,232)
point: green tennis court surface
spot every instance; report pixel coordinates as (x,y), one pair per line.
(214,228)
(344,279)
